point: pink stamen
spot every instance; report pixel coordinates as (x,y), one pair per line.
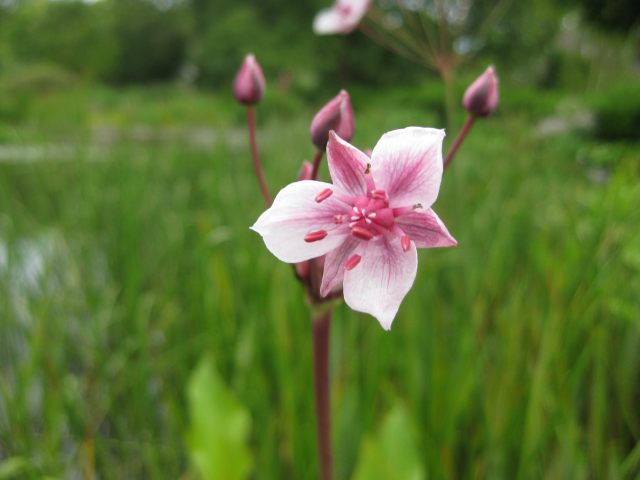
(351,263)
(379,194)
(405,241)
(399,211)
(369,179)
(315,236)
(361,233)
(324,194)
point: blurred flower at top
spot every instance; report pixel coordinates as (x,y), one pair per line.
(343,17)
(481,97)
(249,84)
(336,115)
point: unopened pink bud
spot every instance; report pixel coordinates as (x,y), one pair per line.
(305,172)
(302,270)
(336,115)
(481,98)
(249,84)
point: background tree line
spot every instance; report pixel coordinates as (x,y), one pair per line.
(136,41)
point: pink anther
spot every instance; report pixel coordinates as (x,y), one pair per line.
(361,233)
(324,194)
(351,263)
(405,241)
(315,236)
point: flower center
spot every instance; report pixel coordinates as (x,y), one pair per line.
(371,215)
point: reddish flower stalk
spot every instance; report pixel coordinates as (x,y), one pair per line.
(317,159)
(321,329)
(468,123)
(251,125)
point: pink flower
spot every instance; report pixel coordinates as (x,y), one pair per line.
(481,97)
(249,84)
(336,115)
(343,17)
(369,222)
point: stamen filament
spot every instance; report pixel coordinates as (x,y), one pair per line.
(397,212)
(379,194)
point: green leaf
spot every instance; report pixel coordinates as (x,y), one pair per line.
(13,467)
(219,429)
(392,453)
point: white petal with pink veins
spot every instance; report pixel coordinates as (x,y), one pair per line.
(295,213)
(407,164)
(381,280)
(334,265)
(347,165)
(426,229)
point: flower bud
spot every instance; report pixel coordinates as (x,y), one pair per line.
(336,115)
(249,84)
(481,98)
(305,172)
(302,268)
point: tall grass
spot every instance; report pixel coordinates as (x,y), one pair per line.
(516,354)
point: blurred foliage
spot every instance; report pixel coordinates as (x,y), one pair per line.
(219,427)
(617,112)
(613,15)
(128,41)
(22,84)
(279,33)
(504,29)
(151,42)
(115,40)
(125,257)
(392,453)
(132,41)
(75,35)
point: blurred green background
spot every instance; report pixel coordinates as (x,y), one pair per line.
(145,332)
